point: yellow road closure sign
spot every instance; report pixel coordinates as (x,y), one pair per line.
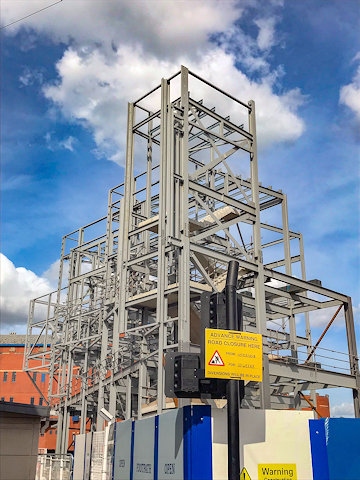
(230,354)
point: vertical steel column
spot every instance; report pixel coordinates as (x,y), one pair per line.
(353,356)
(125,221)
(59,428)
(64,365)
(288,271)
(184,252)
(105,329)
(303,276)
(286,236)
(260,310)
(128,395)
(142,375)
(102,373)
(84,385)
(66,422)
(120,321)
(61,411)
(162,260)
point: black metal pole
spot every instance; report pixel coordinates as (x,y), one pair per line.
(233,403)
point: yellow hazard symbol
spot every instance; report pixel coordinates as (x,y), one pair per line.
(244,474)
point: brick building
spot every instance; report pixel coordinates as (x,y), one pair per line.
(19,387)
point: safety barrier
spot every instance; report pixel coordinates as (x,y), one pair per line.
(190,443)
(54,467)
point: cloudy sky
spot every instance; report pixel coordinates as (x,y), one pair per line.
(68,69)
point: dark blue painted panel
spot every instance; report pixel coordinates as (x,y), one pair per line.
(335,448)
(197,443)
(156,448)
(343,448)
(318,450)
(132,451)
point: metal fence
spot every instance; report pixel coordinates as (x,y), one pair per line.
(54,467)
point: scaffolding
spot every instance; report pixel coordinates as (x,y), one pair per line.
(130,283)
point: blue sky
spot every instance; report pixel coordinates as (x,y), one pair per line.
(68,71)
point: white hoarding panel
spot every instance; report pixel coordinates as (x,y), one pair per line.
(79,457)
(170,446)
(87,463)
(122,450)
(286,450)
(273,444)
(144,448)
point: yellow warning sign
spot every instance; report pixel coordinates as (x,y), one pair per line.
(244,474)
(216,359)
(277,471)
(231,354)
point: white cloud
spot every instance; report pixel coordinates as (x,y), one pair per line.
(266,36)
(54,144)
(68,143)
(356,312)
(321,318)
(52,273)
(15,182)
(30,77)
(17,287)
(344,409)
(120,50)
(350,94)
(94,91)
(164,28)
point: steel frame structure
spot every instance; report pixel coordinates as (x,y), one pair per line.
(130,283)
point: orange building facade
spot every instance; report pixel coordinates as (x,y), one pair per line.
(18,386)
(321,405)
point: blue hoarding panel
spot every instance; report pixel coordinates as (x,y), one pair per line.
(335,448)
(156,448)
(319,454)
(343,437)
(132,451)
(197,443)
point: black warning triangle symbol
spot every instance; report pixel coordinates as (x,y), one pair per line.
(216,360)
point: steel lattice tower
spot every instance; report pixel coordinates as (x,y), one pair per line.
(130,283)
